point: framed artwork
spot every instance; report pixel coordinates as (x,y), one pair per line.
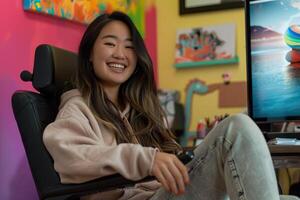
(195,6)
(204,46)
(85,11)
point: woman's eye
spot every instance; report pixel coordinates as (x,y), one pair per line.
(130,47)
(109,44)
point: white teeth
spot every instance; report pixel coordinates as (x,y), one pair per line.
(115,65)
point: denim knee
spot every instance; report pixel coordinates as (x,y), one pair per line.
(244,127)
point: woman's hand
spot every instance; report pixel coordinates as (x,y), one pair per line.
(170,172)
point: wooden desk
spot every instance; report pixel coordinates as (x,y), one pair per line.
(285,156)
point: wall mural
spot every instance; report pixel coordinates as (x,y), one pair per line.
(84,11)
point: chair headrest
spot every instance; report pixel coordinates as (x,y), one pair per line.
(53,69)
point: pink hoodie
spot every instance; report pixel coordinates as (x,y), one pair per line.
(84,149)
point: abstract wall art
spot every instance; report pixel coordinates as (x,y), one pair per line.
(205,46)
(84,11)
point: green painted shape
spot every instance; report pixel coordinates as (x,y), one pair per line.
(194,87)
(207,63)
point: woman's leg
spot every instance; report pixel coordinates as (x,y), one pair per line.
(233,160)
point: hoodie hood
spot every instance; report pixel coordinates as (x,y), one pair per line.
(75,93)
(65,97)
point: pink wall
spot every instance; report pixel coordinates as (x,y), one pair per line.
(151,36)
(20,33)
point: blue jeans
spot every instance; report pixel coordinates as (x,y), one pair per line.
(232,162)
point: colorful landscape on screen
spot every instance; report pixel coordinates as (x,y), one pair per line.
(84,11)
(275,58)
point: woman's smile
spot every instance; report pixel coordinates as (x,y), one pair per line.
(116,67)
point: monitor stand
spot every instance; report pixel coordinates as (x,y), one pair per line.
(277,130)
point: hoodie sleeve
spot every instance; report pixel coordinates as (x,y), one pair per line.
(79,157)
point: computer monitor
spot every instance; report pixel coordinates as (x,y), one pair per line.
(273,59)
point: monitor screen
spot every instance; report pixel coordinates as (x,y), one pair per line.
(273,59)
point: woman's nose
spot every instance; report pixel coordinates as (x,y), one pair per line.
(119,53)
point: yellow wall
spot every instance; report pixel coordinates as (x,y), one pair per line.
(168,21)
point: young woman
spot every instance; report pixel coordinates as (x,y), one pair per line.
(113,123)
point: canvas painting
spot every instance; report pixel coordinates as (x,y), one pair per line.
(205,45)
(84,11)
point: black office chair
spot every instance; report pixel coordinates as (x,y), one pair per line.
(34,111)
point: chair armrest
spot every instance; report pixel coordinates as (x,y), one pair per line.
(98,185)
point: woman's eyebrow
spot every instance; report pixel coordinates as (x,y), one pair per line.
(115,37)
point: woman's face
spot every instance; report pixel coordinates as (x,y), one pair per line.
(113,55)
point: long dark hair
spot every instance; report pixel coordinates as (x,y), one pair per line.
(146,116)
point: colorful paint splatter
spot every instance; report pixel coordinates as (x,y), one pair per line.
(205,44)
(84,11)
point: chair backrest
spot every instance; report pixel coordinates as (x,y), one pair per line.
(53,67)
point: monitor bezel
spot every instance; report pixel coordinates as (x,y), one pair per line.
(249,77)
